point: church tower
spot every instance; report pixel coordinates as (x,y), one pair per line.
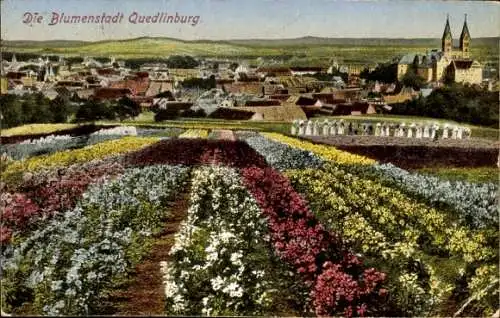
(465,40)
(447,40)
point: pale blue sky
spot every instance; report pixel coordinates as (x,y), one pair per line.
(240,19)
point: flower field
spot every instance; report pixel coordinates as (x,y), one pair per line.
(272,225)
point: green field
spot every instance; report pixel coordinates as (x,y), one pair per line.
(301,51)
(484,174)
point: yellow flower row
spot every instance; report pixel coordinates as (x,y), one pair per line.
(390,230)
(69,157)
(36,129)
(323,151)
(195,133)
(338,196)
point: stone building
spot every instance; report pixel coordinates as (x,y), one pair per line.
(452,62)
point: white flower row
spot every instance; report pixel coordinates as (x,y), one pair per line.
(475,204)
(281,156)
(79,253)
(26,150)
(46,140)
(119,130)
(219,256)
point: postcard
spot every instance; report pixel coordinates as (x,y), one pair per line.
(249,158)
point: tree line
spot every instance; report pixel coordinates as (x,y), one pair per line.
(36,108)
(461,103)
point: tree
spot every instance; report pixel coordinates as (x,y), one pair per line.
(60,109)
(126,108)
(233,66)
(93,110)
(411,79)
(385,73)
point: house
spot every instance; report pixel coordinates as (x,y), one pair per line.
(136,85)
(465,71)
(406,94)
(287,112)
(281,97)
(234,114)
(262,102)
(304,70)
(273,71)
(301,100)
(252,88)
(108,93)
(165,103)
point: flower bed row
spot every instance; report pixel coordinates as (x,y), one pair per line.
(279,155)
(425,252)
(44,130)
(15,170)
(66,265)
(325,152)
(44,195)
(473,204)
(36,129)
(196,152)
(222,262)
(336,277)
(194,133)
(54,143)
(221,134)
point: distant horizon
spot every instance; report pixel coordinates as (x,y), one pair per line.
(247,39)
(229,20)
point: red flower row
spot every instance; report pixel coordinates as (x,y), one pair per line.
(338,281)
(195,152)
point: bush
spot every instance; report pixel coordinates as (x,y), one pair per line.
(166,114)
(462,103)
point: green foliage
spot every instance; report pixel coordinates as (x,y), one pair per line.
(385,73)
(166,114)
(480,175)
(411,79)
(201,83)
(93,110)
(33,108)
(329,77)
(126,108)
(458,102)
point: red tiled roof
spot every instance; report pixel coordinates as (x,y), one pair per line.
(265,102)
(228,113)
(281,97)
(111,93)
(107,71)
(136,86)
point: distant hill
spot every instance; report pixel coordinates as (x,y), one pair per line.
(300,51)
(309,40)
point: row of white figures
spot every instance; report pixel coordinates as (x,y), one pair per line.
(413,130)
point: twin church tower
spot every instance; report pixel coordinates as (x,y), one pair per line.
(447,48)
(449,63)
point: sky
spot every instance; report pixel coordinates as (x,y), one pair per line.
(245,19)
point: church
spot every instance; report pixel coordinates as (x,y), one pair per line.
(451,62)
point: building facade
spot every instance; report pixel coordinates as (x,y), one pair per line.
(450,62)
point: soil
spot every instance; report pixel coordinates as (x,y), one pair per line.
(144,294)
(418,153)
